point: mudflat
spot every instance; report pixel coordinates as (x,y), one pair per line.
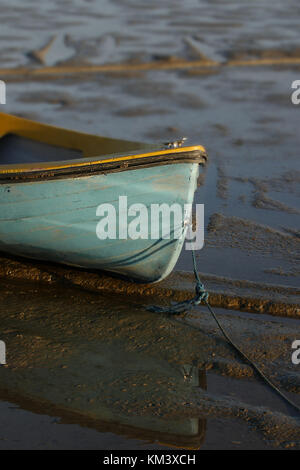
(93,369)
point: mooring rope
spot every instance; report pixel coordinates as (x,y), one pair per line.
(186,305)
(202,296)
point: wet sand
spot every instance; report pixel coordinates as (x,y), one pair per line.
(224,292)
(245,118)
(112,366)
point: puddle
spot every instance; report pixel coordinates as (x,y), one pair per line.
(26,425)
(22,429)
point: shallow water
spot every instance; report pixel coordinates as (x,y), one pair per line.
(245,118)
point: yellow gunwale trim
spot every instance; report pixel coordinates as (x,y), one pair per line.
(83,162)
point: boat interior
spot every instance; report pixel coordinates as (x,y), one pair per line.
(17,149)
(24,141)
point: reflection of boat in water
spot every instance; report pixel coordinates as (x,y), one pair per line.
(112,366)
(184,433)
(56,183)
(178,431)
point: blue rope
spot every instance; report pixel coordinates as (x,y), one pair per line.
(181,307)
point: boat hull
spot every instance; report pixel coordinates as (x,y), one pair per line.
(56,220)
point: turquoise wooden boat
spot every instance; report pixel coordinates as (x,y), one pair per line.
(52,182)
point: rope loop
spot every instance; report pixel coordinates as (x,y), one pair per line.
(182,307)
(201,294)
